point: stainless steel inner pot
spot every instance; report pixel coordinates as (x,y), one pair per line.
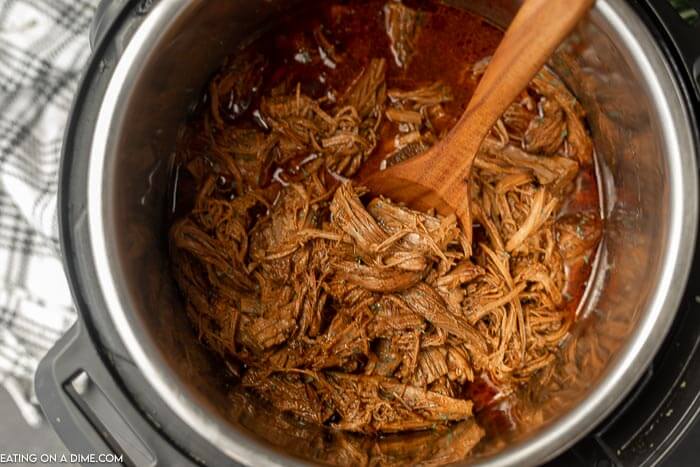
(646,159)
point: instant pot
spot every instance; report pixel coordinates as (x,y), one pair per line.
(130,377)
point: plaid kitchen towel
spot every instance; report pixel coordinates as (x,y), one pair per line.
(43,48)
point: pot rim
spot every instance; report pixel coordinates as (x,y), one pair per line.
(623,372)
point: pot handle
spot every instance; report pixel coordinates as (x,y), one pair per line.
(82,402)
(683,28)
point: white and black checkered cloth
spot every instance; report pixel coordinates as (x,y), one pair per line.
(43,48)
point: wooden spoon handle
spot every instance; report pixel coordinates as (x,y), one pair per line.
(438,177)
(535,32)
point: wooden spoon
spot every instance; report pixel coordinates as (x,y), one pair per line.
(438,178)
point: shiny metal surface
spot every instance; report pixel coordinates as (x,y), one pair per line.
(647,160)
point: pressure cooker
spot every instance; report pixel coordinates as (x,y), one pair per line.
(130,377)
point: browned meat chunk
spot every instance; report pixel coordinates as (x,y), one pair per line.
(289,393)
(546,133)
(371,403)
(402,28)
(432,364)
(232,91)
(375,279)
(579,234)
(368,91)
(426,302)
